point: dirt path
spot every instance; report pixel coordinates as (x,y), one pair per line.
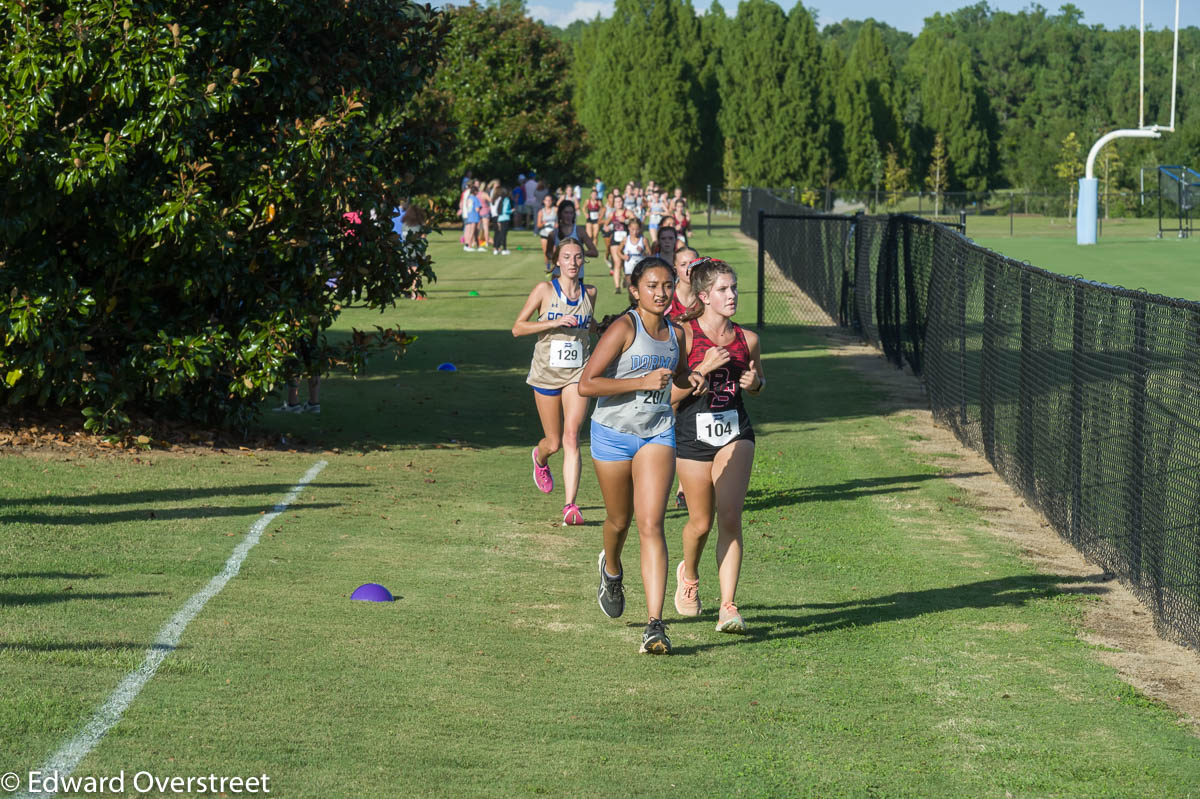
(1118,622)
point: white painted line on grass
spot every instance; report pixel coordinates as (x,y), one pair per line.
(69,756)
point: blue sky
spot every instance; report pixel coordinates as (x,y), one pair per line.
(908,16)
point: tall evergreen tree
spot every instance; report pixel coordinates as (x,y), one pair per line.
(635,92)
(707,165)
(807,102)
(776,107)
(751,74)
(860,148)
(871,63)
(950,102)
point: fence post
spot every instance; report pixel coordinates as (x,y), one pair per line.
(1075,447)
(960,269)
(762,268)
(987,363)
(1010,216)
(1138,452)
(1025,457)
(708,191)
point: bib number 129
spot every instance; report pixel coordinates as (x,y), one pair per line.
(566,354)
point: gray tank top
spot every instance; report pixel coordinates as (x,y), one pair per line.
(644,414)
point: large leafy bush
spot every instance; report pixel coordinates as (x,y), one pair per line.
(175,179)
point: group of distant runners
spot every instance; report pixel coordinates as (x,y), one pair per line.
(669,374)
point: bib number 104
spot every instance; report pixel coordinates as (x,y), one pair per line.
(717,429)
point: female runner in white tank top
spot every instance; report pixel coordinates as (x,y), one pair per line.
(636,362)
(564,308)
(634,249)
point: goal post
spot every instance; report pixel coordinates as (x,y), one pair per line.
(1089,187)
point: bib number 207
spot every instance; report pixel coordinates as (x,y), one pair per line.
(651,401)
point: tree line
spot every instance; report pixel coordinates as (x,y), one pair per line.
(979,100)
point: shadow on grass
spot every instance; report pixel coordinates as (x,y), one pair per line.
(83,646)
(267,490)
(486,403)
(761,499)
(48,576)
(779,622)
(51,598)
(151,515)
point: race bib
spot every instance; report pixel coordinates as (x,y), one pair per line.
(566,354)
(619,236)
(593,216)
(546,231)
(652,401)
(717,429)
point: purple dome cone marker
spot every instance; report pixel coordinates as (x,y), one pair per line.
(372,592)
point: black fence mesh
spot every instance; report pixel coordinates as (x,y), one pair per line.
(1084,397)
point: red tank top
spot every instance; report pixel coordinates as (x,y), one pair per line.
(676,309)
(723,387)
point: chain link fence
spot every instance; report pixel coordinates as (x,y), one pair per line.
(1084,397)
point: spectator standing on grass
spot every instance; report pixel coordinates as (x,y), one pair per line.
(518,202)
(564,325)
(598,186)
(532,201)
(714,439)
(503,207)
(470,216)
(485,217)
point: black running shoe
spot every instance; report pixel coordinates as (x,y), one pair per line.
(655,640)
(611,594)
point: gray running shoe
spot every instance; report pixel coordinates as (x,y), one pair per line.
(611,594)
(655,640)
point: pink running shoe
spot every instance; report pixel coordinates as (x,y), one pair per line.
(687,593)
(572,515)
(541,475)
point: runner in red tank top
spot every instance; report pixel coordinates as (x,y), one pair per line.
(714,439)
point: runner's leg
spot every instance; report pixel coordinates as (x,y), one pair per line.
(653,471)
(697,481)
(616,486)
(731,478)
(574,409)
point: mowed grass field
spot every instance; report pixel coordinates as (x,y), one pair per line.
(1128,252)
(896,647)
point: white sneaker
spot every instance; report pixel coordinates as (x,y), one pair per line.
(468,249)
(505,252)
(495,252)
(286,408)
